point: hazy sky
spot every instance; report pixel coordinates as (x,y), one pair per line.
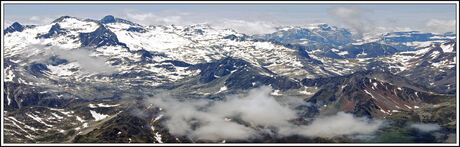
(361,17)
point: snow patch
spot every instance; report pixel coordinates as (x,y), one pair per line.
(97,116)
(447,48)
(342,53)
(38,119)
(158,137)
(276,92)
(369,93)
(223,88)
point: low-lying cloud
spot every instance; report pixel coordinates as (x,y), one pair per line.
(88,63)
(426,127)
(252,115)
(341,124)
(82,56)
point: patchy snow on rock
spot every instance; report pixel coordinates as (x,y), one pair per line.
(276,92)
(9,75)
(408,106)
(79,119)
(158,117)
(102,105)
(419,44)
(158,137)
(97,116)
(306,92)
(91,106)
(435,54)
(342,53)
(447,48)
(38,119)
(223,88)
(369,93)
(381,110)
(57,116)
(105,105)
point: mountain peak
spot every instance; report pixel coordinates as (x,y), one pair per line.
(15,27)
(100,37)
(108,19)
(16,24)
(61,18)
(55,30)
(111,19)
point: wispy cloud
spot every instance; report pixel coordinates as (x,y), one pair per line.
(426,127)
(441,26)
(87,63)
(341,124)
(250,115)
(352,16)
(163,18)
(247,27)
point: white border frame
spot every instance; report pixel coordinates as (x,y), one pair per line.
(232,2)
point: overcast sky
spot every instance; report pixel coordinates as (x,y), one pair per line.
(360,18)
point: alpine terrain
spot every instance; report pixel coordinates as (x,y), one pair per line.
(78,80)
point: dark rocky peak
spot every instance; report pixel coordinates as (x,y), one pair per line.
(368,93)
(15,27)
(325,27)
(100,37)
(136,29)
(210,71)
(111,19)
(108,19)
(36,69)
(244,37)
(55,30)
(240,74)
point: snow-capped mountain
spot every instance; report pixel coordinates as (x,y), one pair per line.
(96,73)
(310,35)
(413,40)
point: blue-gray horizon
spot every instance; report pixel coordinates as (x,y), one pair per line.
(253,18)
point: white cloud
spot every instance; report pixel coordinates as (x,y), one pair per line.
(161,18)
(88,63)
(247,27)
(82,56)
(441,26)
(33,20)
(341,124)
(39,20)
(259,110)
(426,127)
(352,16)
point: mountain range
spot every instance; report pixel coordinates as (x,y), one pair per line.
(83,80)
